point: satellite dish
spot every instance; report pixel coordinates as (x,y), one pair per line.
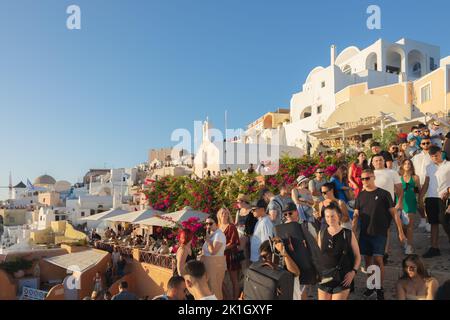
(62,186)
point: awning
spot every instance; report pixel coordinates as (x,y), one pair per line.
(364,107)
(177,217)
(136,216)
(104,215)
(82,260)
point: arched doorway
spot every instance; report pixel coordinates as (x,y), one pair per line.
(372,62)
(416,64)
(306,113)
(395,60)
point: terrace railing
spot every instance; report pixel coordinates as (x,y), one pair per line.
(159,260)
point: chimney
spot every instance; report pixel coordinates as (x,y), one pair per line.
(333,54)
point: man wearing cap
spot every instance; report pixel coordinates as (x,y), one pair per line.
(263,229)
(412,148)
(436,134)
(290,213)
(302,197)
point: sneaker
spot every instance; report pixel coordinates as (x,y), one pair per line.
(428,227)
(432,252)
(409,249)
(369,293)
(380,294)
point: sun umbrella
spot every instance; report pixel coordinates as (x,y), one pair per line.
(104,215)
(176,217)
(136,216)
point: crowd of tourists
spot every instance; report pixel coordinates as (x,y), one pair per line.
(320,233)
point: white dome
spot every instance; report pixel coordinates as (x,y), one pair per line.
(62,186)
(347,54)
(313,71)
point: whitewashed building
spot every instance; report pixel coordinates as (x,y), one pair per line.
(381,64)
(87,205)
(215,156)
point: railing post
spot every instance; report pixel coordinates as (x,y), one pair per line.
(136,254)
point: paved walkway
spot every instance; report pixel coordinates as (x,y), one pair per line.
(439,267)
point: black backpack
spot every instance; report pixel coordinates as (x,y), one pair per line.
(266,281)
(304,250)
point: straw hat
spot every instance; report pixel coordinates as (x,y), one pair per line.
(302,179)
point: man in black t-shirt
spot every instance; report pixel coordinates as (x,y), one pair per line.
(375,209)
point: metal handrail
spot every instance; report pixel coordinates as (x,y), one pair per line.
(160,260)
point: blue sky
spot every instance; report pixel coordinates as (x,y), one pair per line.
(137,70)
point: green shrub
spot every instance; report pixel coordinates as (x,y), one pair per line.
(15,265)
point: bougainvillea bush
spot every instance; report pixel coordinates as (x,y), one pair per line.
(170,194)
(192,224)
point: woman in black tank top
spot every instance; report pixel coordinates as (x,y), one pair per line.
(340,256)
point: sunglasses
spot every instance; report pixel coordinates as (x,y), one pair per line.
(325,192)
(416,131)
(366,179)
(321,172)
(209,223)
(288,213)
(425,143)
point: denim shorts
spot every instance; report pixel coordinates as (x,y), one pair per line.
(372,246)
(330,289)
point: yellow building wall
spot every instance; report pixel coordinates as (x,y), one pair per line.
(150,280)
(13,217)
(397,93)
(49,198)
(58,226)
(278,118)
(66,233)
(71,233)
(448,101)
(437,102)
(42,236)
(349,92)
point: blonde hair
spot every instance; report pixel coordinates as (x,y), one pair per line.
(220,214)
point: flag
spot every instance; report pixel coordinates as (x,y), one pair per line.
(29,185)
